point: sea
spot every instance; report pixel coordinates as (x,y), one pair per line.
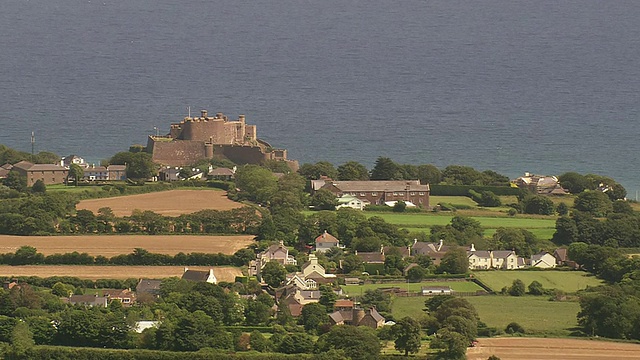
(513,86)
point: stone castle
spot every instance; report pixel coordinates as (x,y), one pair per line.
(206,137)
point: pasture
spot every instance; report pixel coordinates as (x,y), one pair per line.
(542,226)
(222,273)
(460,286)
(536,314)
(510,348)
(168,203)
(567,281)
(111,245)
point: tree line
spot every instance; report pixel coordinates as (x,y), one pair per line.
(28,255)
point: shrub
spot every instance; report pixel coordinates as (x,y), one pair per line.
(514,328)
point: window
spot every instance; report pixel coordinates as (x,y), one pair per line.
(395,194)
(412,193)
(374,194)
(401,193)
(421,193)
(363,194)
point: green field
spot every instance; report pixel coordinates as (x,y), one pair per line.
(453,200)
(460,286)
(536,314)
(426,220)
(567,281)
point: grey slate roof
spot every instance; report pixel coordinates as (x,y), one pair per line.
(196,275)
(373,185)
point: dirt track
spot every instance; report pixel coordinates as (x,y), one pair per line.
(222,273)
(168,203)
(110,245)
(552,349)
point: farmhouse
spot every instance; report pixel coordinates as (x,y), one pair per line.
(149,286)
(379,192)
(48,173)
(434,250)
(126,296)
(105,173)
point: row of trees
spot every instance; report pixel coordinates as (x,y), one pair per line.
(28,255)
(387,169)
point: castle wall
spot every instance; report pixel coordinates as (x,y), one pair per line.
(177,153)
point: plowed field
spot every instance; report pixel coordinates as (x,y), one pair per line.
(169,203)
(110,245)
(552,349)
(222,273)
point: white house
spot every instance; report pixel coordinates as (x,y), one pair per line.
(326,241)
(497,259)
(351,202)
(543,260)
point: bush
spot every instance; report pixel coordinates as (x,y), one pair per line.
(514,328)
(517,288)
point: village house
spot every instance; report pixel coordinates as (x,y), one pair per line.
(494,259)
(126,296)
(380,192)
(278,253)
(352,202)
(539,184)
(433,250)
(199,276)
(326,241)
(223,174)
(375,257)
(348,314)
(311,276)
(4,170)
(49,173)
(73,159)
(150,287)
(543,260)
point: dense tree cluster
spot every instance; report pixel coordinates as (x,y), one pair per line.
(616,230)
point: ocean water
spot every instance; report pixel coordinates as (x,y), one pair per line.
(512,86)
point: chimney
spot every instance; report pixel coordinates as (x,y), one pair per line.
(415,241)
(382,249)
(440,244)
(473,248)
(186,269)
(203,114)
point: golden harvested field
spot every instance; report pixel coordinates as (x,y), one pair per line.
(223,273)
(111,245)
(552,349)
(168,203)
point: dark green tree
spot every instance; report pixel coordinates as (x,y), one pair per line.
(454,261)
(538,204)
(562,209)
(273,274)
(358,343)
(313,316)
(593,202)
(386,169)
(352,171)
(141,166)
(407,335)
(324,199)
(429,174)
(517,288)
(536,288)
(378,299)
(76,173)
(573,182)
(451,345)
(15,181)
(315,171)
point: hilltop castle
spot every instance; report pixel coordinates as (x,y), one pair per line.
(206,137)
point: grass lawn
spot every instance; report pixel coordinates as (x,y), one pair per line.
(426,220)
(461,286)
(568,281)
(542,233)
(536,314)
(454,200)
